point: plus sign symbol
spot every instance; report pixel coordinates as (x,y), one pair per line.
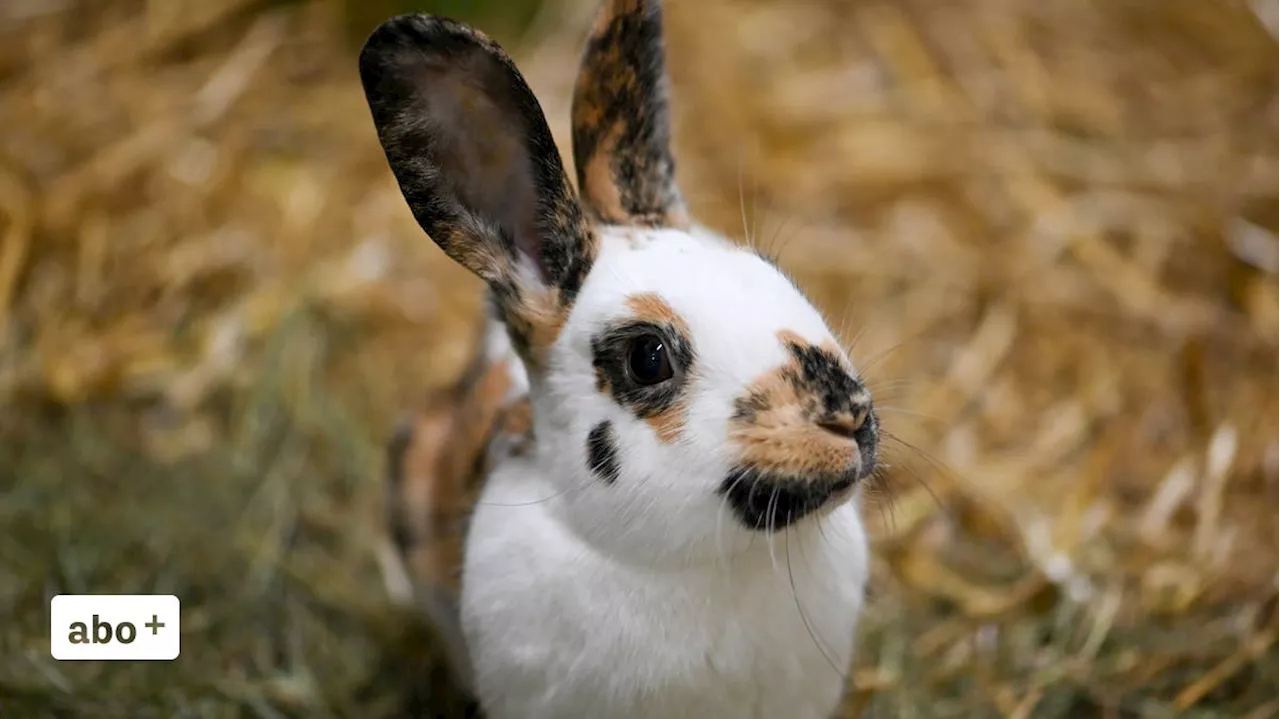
(125,627)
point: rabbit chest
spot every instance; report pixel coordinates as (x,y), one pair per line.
(557,629)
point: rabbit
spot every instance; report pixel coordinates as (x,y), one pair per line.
(662,507)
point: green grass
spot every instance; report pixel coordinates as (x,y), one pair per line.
(261,538)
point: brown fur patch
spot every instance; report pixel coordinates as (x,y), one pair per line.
(535,320)
(793,449)
(670,423)
(621,123)
(781,434)
(788,337)
(536,315)
(600,189)
(650,306)
(442,470)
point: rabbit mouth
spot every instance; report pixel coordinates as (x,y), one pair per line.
(768,501)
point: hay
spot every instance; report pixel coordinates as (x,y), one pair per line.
(1047,229)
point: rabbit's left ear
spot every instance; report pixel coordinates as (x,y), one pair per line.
(469,145)
(622,123)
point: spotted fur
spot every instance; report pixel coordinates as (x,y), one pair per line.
(620,118)
(804,432)
(610,562)
(435,463)
(662,407)
(602,452)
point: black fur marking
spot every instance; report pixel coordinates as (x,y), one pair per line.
(836,394)
(767,501)
(393,506)
(746,408)
(822,375)
(470,148)
(621,98)
(609,356)
(868,438)
(602,452)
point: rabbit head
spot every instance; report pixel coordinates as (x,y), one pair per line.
(676,377)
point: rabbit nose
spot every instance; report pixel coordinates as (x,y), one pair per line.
(847,425)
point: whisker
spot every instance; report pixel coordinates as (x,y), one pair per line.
(937,464)
(769,516)
(880,386)
(724,556)
(822,531)
(882,496)
(755,205)
(867,365)
(862,332)
(530,503)
(773,239)
(843,325)
(784,241)
(732,485)
(742,210)
(908,412)
(804,618)
(910,470)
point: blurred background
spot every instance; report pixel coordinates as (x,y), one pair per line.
(1046,228)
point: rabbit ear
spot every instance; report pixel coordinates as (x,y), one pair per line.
(621,122)
(471,150)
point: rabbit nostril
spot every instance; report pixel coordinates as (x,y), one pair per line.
(842,428)
(846,426)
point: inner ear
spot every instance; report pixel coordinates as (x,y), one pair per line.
(621,120)
(481,157)
(472,153)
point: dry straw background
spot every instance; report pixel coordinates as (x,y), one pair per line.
(1047,228)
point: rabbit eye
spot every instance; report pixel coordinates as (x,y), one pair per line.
(648,361)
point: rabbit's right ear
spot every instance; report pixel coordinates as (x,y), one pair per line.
(471,150)
(622,120)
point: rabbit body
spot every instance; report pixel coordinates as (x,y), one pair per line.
(667,523)
(557,629)
(586,599)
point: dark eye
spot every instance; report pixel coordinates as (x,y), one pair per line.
(648,361)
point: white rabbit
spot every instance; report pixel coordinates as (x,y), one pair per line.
(678,535)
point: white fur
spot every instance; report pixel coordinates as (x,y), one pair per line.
(645,597)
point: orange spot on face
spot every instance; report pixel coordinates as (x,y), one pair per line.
(650,307)
(775,426)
